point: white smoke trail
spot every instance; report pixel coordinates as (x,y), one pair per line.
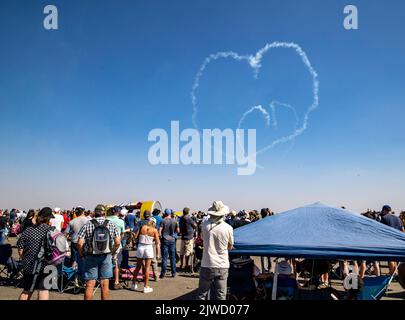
(273,118)
(273,106)
(264,112)
(207,61)
(255,63)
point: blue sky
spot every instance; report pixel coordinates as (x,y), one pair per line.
(77,104)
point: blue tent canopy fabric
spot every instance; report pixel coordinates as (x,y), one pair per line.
(319,231)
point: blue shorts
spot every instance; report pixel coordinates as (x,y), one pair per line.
(98,267)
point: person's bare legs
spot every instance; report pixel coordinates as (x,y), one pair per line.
(25,295)
(362,269)
(187,262)
(88,292)
(356,267)
(136,271)
(392,266)
(43,295)
(325,278)
(105,290)
(147,269)
(376,270)
(116,273)
(344,267)
(181,261)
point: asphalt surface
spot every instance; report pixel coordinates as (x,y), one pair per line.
(182,287)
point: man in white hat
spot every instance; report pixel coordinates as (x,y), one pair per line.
(218,239)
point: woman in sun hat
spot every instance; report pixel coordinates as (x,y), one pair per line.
(218,239)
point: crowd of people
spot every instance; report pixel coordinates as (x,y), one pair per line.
(98,244)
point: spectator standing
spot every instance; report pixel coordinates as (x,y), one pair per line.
(29,245)
(58,220)
(395,222)
(156,214)
(29,220)
(3,231)
(98,241)
(72,232)
(147,216)
(117,258)
(187,230)
(12,217)
(218,239)
(167,232)
(148,235)
(231,220)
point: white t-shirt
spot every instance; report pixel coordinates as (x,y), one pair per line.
(216,238)
(57,221)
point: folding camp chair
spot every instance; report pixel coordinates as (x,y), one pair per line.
(374,288)
(6,252)
(69,279)
(127,275)
(10,269)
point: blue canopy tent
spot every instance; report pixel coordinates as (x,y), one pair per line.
(319,231)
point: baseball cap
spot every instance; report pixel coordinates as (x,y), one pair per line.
(79,209)
(146,214)
(386,207)
(168,212)
(100,207)
(116,209)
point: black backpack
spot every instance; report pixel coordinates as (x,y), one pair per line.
(101,242)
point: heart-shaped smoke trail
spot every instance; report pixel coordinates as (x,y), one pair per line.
(255,63)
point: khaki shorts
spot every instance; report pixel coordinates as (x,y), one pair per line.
(186,247)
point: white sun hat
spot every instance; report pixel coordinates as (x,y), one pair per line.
(218,209)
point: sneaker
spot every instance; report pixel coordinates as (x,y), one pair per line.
(161,276)
(117,286)
(147,290)
(134,287)
(173,275)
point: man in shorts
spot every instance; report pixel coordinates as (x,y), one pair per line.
(97,266)
(395,222)
(187,230)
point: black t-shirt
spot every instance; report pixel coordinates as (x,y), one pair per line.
(392,221)
(187,226)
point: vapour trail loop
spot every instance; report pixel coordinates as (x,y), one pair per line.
(273,118)
(263,111)
(254,62)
